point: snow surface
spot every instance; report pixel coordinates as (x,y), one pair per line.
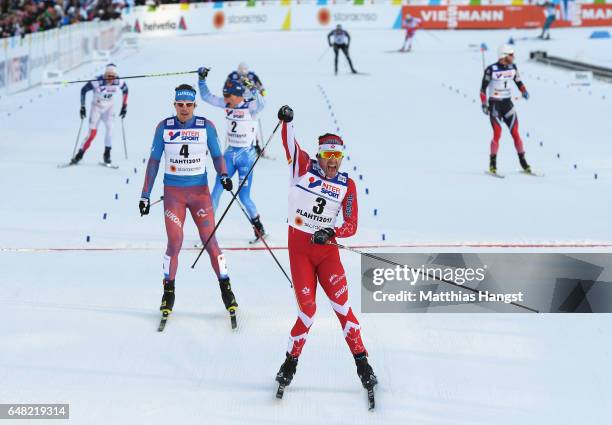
(79,325)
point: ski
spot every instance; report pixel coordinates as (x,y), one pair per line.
(233,318)
(259,238)
(162,322)
(371,400)
(103,164)
(499,176)
(532,173)
(68,164)
(280,391)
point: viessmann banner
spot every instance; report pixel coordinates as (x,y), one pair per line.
(497,17)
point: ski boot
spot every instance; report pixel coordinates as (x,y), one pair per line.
(258,228)
(107,158)
(167,301)
(523,161)
(493,164)
(229,300)
(77,157)
(364,371)
(285,374)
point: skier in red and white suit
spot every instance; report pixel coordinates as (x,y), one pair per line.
(317,193)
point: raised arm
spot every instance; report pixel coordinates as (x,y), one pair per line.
(349,212)
(258,103)
(207,96)
(298,160)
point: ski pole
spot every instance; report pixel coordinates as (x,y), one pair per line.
(246,177)
(261,237)
(393,263)
(161,74)
(324,53)
(76,143)
(124,142)
(161,198)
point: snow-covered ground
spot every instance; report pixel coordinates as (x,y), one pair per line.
(80,324)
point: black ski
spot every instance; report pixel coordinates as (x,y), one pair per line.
(280,391)
(233,318)
(532,173)
(162,322)
(371,400)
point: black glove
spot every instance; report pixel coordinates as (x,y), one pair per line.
(485,109)
(144,205)
(321,236)
(203,72)
(226,182)
(123,112)
(258,149)
(285,114)
(83,112)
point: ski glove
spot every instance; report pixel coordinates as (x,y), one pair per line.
(123,112)
(285,113)
(526,95)
(144,205)
(226,182)
(321,236)
(83,112)
(485,109)
(203,72)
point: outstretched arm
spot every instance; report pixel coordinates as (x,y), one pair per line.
(349,212)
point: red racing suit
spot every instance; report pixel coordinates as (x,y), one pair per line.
(314,203)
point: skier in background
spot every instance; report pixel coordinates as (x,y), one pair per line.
(411,24)
(550,13)
(339,39)
(102,107)
(498,79)
(247,77)
(318,191)
(185,141)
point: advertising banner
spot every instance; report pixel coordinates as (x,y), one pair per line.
(498,17)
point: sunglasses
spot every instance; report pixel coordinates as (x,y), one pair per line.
(181,104)
(331,154)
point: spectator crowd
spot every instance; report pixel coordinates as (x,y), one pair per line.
(20,17)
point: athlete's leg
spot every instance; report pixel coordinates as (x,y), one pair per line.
(231,169)
(94,118)
(336,48)
(511,120)
(345,50)
(174,218)
(304,287)
(107,119)
(495,124)
(244,161)
(200,207)
(333,281)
